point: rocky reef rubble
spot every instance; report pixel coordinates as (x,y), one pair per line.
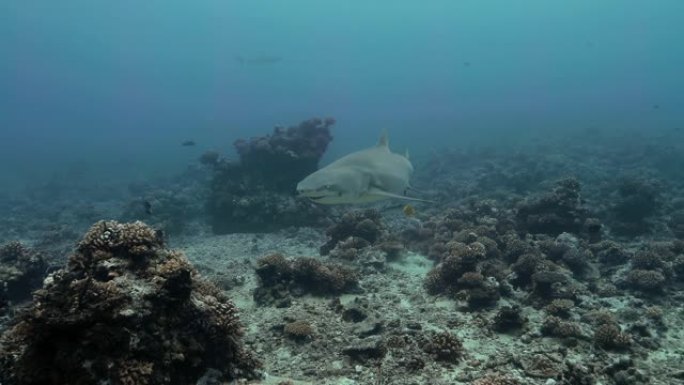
(631,183)
(531,291)
(128,311)
(256,194)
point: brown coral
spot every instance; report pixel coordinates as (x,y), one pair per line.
(136,312)
(560,307)
(508,318)
(445,347)
(609,336)
(363,227)
(273,268)
(646,280)
(130,239)
(325,278)
(21,271)
(278,276)
(556,327)
(647,259)
(299,330)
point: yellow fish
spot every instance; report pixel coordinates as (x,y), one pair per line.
(409,211)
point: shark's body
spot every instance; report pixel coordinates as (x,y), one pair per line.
(364,176)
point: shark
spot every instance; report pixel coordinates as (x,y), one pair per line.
(364,176)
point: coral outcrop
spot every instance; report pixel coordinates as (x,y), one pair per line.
(444,347)
(638,200)
(460,274)
(256,194)
(21,271)
(281,278)
(556,212)
(352,232)
(287,155)
(128,311)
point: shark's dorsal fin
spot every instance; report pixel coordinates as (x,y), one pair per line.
(383,141)
(406,154)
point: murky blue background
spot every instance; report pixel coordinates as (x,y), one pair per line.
(113,87)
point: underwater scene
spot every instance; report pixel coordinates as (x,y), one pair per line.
(341,192)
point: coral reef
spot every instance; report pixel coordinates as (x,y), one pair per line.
(556,212)
(256,194)
(166,210)
(352,232)
(676,224)
(281,278)
(646,280)
(282,159)
(508,318)
(459,274)
(557,327)
(509,278)
(173,205)
(496,379)
(609,336)
(652,269)
(444,347)
(134,311)
(21,271)
(638,199)
(298,330)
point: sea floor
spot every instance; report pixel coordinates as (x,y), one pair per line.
(599,223)
(393,300)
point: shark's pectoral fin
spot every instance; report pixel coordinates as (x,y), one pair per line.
(378,192)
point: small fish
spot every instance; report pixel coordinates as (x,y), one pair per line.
(147,206)
(188,143)
(409,210)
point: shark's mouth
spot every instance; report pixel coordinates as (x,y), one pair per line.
(316,197)
(311,195)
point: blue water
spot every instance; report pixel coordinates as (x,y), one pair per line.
(116,86)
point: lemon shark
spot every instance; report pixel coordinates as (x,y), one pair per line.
(368,175)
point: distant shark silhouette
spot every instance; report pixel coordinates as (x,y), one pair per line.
(363,176)
(258,60)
